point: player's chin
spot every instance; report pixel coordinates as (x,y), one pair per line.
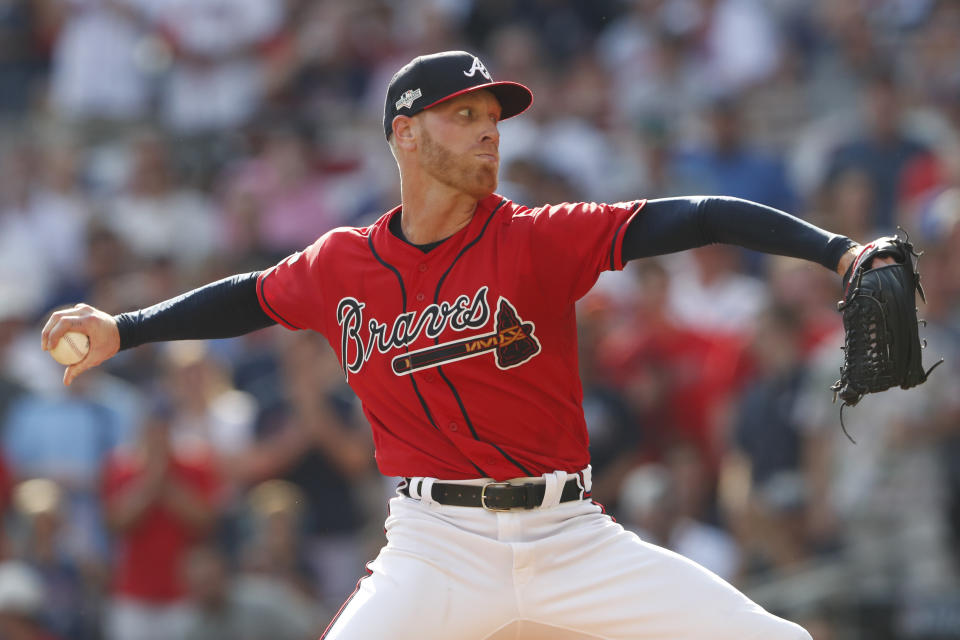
(484,184)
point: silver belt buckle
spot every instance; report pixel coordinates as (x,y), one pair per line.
(483,496)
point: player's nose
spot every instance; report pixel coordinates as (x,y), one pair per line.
(491,133)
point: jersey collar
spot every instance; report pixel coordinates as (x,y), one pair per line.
(402,254)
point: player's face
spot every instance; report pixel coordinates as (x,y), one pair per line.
(459,143)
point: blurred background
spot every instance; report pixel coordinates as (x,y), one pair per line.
(226,489)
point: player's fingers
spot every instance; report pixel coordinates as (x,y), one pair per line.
(48,327)
(60,325)
(70,373)
(53,330)
(74,370)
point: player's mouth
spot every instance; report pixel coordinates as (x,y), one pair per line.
(488,157)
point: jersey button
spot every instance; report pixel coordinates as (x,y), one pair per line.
(422,268)
(420,297)
(453,426)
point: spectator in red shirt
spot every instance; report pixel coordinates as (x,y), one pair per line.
(159,503)
(678,379)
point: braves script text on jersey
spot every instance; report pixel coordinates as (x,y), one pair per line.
(464,357)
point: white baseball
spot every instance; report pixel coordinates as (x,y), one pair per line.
(72,348)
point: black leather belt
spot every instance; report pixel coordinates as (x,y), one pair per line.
(496,496)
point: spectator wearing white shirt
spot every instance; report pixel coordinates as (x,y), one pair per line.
(155,216)
(96,71)
(216,81)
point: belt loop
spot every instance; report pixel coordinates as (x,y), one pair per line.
(426,493)
(553,488)
(413,488)
(585,481)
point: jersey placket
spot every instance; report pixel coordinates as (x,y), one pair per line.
(454,425)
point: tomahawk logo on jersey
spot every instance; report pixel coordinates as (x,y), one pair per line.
(482,328)
(512,340)
(512,343)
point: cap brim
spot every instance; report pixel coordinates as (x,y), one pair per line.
(514,98)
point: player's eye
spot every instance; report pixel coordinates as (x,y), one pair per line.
(466,112)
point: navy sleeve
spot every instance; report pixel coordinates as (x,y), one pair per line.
(222,309)
(674,224)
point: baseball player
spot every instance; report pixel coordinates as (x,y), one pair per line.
(453,320)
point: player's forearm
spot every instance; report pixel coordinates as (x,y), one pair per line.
(674,224)
(222,309)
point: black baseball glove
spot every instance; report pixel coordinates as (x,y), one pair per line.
(882,346)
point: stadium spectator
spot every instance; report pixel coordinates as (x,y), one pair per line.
(22,600)
(615,435)
(651,506)
(223,605)
(217,80)
(318,440)
(155,216)
(762,486)
(72,592)
(711,292)
(738,40)
(279,200)
(100,70)
(23,259)
(159,502)
(882,150)
(727,164)
(677,379)
(61,213)
(274,544)
(101,414)
(24,32)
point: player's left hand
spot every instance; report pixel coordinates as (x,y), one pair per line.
(882,346)
(847,259)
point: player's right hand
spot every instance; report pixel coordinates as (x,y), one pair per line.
(100,327)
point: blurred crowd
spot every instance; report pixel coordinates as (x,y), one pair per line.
(227,489)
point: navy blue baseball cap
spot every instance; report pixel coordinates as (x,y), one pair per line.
(429,80)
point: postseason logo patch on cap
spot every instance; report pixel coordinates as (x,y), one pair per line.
(406,100)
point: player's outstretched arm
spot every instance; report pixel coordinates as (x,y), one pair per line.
(99,327)
(668,225)
(222,309)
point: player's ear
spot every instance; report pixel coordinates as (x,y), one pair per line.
(403,133)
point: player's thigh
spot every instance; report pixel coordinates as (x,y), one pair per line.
(407,598)
(440,576)
(611,584)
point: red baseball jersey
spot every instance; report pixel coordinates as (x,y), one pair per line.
(464,357)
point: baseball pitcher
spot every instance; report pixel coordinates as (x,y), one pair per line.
(453,320)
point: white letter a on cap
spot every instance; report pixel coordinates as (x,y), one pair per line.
(478,66)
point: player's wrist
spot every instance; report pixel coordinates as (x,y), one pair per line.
(847,259)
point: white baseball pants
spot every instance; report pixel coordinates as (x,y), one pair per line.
(561,572)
